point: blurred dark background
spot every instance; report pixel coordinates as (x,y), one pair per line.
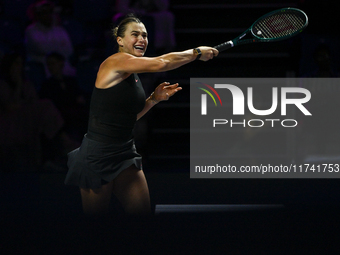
(46,85)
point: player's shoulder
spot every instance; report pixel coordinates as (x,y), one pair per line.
(116,59)
(119,61)
(120,55)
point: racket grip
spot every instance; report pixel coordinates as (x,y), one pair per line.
(224,46)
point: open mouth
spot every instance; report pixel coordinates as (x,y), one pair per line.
(138,47)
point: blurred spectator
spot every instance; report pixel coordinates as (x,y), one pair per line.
(23,118)
(164,21)
(318,135)
(44,36)
(65,93)
(11,35)
(65,7)
(323,60)
(319,59)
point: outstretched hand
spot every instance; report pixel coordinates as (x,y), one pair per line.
(164,91)
(208,53)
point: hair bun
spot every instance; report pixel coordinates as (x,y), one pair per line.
(115,31)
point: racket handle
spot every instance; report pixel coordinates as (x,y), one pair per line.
(224,46)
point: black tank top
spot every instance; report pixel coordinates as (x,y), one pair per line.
(113,111)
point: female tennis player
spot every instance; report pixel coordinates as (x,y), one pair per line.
(107,162)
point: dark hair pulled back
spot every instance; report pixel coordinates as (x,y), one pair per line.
(121,28)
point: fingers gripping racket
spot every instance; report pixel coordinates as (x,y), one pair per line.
(274,26)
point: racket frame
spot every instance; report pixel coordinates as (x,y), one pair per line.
(238,40)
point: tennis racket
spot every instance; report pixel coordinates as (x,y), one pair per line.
(274,26)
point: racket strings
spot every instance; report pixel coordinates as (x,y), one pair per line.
(279,25)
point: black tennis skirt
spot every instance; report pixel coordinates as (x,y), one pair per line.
(96,163)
